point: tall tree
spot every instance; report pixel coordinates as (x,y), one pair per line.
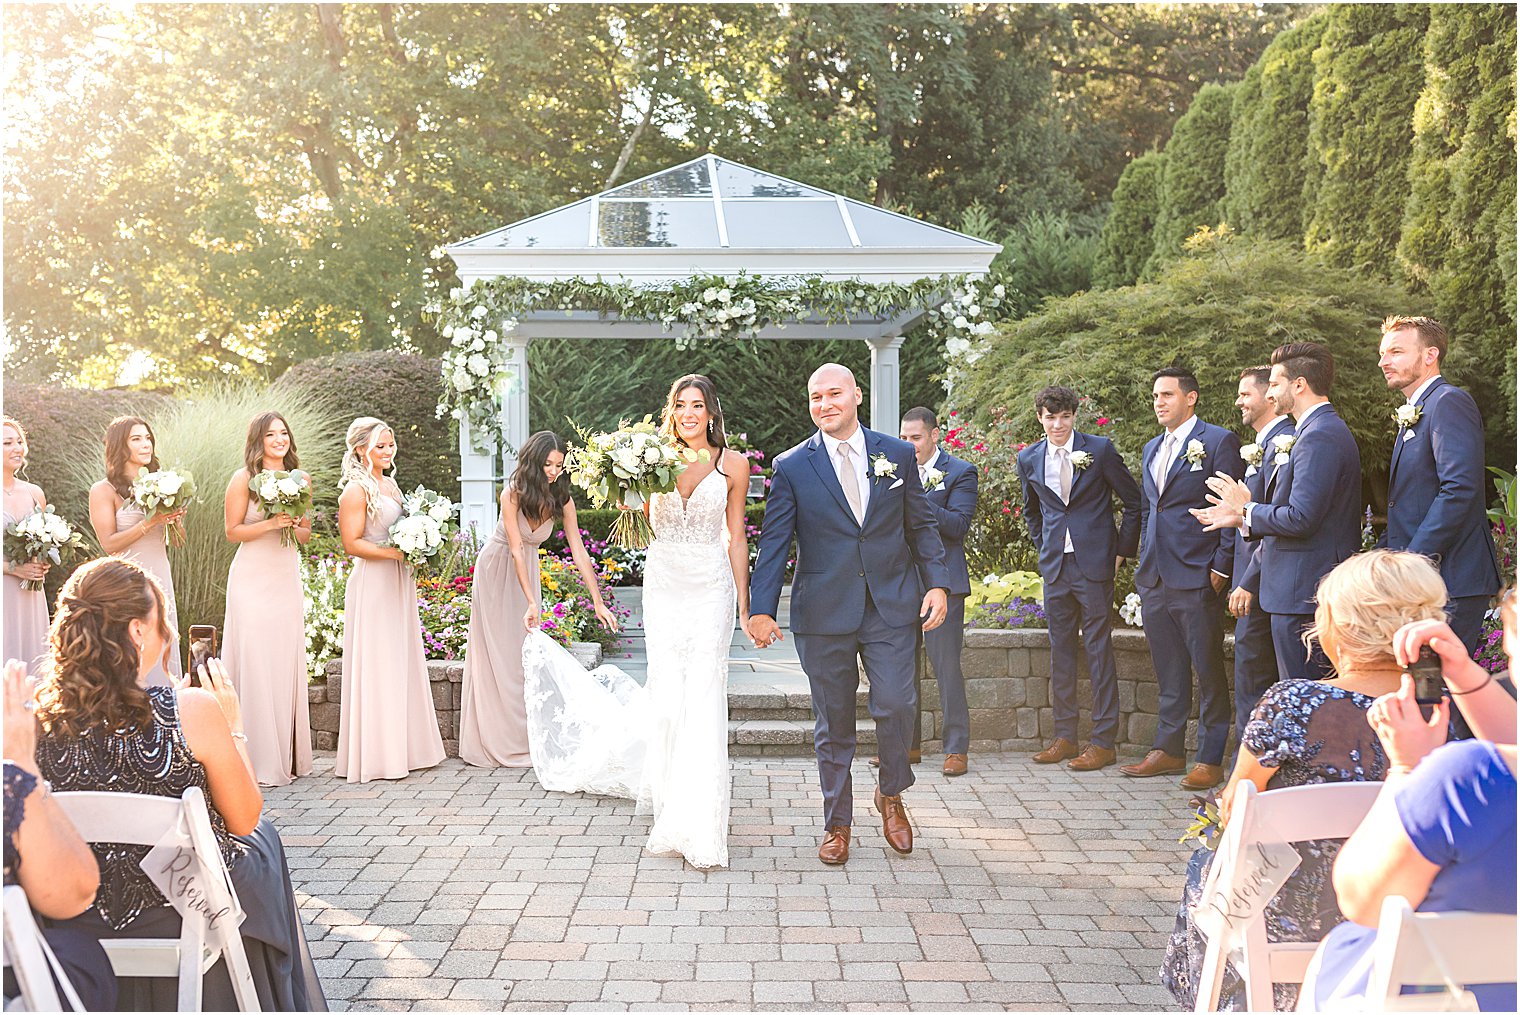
(1192,183)
(1129,235)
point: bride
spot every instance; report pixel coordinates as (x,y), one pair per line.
(664,744)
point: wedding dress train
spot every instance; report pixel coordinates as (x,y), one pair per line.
(664,744)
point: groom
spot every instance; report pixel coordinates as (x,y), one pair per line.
(867,548)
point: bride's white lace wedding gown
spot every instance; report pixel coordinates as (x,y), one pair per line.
(664,744)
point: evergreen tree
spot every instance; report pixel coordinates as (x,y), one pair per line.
(1269,137)
(1458,242)
(1129,233)
(1368,72)
(1192,185)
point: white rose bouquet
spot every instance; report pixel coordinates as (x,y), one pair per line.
(282,493)
(164,492)
(41,535)
(425,525)
(627,467)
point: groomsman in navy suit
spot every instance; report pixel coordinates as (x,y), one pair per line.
(1182,574)
(1308,521)
(950,485)
(1435,483)
(1070,481)
(1255,660)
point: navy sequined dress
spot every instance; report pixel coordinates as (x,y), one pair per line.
(1311,732)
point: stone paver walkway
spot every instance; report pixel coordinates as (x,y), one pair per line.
(466,889)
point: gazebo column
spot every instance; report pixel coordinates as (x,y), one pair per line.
(481,470)
(886,383)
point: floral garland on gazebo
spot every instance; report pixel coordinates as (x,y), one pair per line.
(477,370)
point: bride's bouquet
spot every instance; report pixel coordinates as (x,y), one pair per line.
(163,492)
(425,525)
(626,467)
(41,535)
(282,493)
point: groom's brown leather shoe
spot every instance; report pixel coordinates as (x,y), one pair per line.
(1203,777)
(894,822)
(1059,750)
(836,846)
(1157,762)
(1091,759)
(955,764)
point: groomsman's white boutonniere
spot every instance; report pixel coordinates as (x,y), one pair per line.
(1080,460)
(932,478)
(1284,446)
(882,466)
(1406,416)
(1194,454)
(1251,454)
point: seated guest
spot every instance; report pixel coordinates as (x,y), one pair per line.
(103,730)
(60,875)
(1305,732)
(1442,834)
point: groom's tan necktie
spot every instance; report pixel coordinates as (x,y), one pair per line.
(850,480)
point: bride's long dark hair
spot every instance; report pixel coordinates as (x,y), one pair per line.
(717,436)
(537,498)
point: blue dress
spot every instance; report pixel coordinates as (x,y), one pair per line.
(1458,809)
(1311,732)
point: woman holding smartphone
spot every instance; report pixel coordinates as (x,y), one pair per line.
(265,646)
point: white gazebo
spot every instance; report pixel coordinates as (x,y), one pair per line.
(708,216)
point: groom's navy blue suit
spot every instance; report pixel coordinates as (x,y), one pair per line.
(857,592)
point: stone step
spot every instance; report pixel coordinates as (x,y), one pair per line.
(784,737)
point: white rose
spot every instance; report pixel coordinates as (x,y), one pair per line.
(968,299)
(983,328)
(961,322)
(999,291)
(882,467)
(724,295)
(652,456)
(169,484)
(58,528)
(478,365)
(463,381)
(491,337)
(478,312)
(709,294)
(268,489)
(477,345)
(289,487)
(441,511)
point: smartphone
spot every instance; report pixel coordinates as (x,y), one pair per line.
(202,648)
(1429,688)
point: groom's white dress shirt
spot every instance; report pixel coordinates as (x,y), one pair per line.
(1053,472)
(857,443)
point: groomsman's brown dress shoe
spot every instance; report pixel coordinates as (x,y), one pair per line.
(1059,750)
(1157,762)
(1202,777)
(955,764)
(836,846)
(894,822)
(914,758)
(1092,758)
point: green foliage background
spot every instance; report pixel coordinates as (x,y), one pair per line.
(1192,181)
(1129,235)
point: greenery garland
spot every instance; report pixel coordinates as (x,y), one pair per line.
(477,370)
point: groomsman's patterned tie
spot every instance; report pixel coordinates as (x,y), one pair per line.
(850,480)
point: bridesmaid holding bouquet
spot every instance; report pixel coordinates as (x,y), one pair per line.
(387,726)
(493,717)
(26,615)
(265,641)
(124,530)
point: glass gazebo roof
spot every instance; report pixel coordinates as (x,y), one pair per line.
(711,203)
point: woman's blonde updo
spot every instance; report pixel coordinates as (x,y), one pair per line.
(90,681)
(363,434)
(1369,597)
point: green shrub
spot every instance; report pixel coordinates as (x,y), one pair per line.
(1269,138)
(1129,235)
(1367,75)
(1192,183)
(401,389)
(1222,308)
(1047,254)
(203,431)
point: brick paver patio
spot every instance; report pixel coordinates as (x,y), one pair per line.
(467,889)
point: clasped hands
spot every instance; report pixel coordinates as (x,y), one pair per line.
(1227,503)
(764,631)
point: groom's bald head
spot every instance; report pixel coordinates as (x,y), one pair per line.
(833,398)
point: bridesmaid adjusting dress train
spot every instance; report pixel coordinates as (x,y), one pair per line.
(493,720)
(387,726)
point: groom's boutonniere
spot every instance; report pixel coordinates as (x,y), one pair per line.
(1284,446)
(1251,454)
(1080,460)
(882,466)
(1194,452)
(1406,416)
(932,478)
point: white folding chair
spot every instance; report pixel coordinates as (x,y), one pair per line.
(144,819)
(1279,816)
(26,956)
(1450,950)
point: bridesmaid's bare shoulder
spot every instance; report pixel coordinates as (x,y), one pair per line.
(104,488)
(32,490)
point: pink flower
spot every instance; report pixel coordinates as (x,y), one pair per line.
(1103,421)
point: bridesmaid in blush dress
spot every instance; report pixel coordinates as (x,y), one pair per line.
(387,726)
(493,720)
(123,530)
(264,645)
(26,615)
